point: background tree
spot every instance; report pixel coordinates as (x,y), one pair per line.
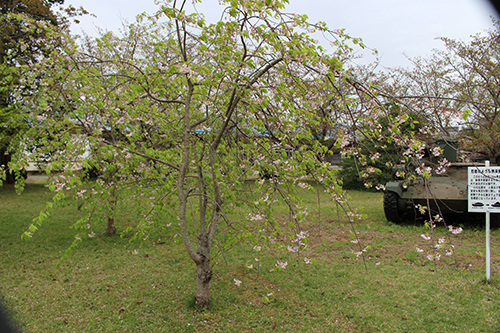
(456,91)
(19,44)
(25,38)
(477,86)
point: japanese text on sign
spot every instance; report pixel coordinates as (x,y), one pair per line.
(484,189)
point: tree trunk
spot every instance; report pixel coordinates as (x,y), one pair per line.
(111,226)
(203,273)
(112,211)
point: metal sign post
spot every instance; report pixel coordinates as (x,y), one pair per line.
(488,255)
(484,196)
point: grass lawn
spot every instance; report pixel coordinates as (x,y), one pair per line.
(111,285)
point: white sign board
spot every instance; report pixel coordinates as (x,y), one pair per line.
(484,189)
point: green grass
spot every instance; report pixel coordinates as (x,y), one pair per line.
(104,287)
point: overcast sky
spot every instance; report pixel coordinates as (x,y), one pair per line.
(393,27)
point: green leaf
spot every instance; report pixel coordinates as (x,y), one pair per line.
(466,114)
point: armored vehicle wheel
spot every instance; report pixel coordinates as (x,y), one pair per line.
(391,207)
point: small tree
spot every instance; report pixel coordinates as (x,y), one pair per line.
(197,109)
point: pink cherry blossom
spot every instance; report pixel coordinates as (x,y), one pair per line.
(455,231)
(281,264)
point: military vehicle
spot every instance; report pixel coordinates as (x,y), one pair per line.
(445,193)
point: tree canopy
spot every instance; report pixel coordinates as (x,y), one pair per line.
(193,110)
(18,43)
(24,40)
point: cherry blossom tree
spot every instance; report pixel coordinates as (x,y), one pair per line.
(197,110)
